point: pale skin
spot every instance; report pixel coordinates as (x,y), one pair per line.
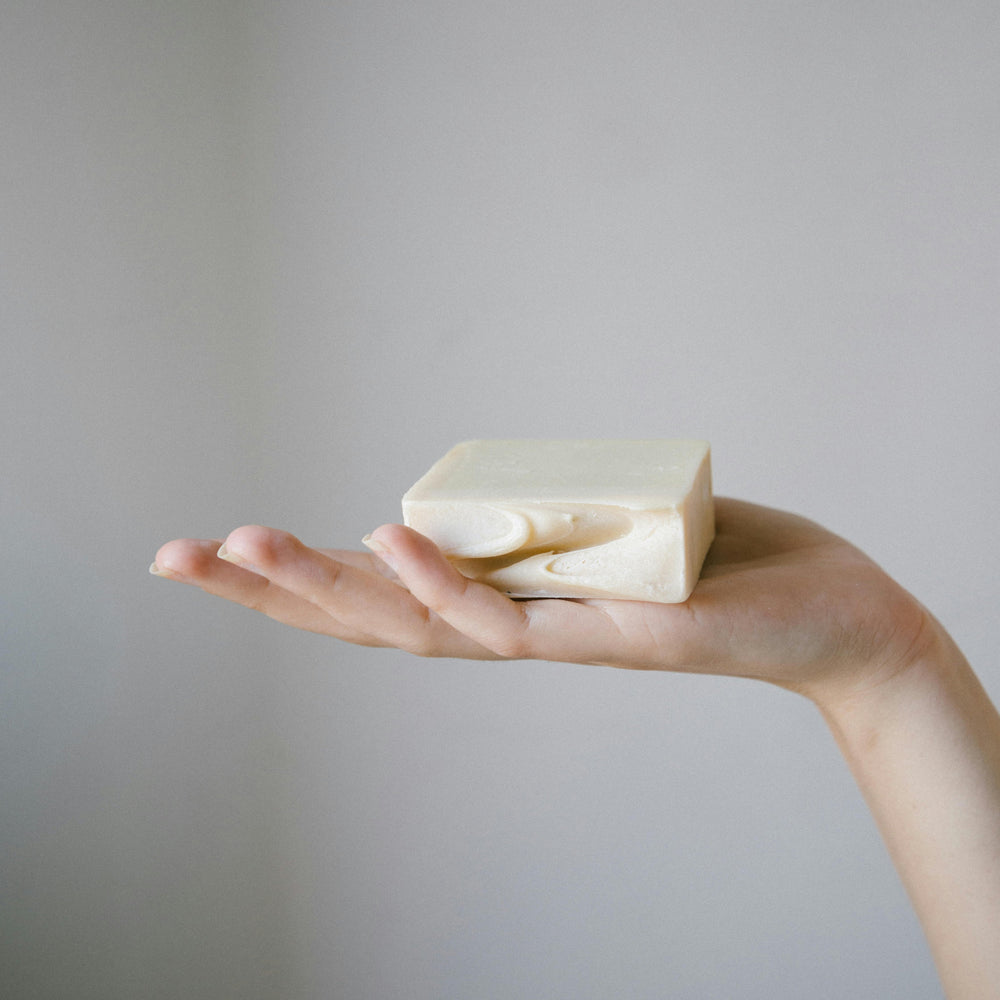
(781,600)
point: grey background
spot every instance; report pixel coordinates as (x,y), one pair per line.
(264,262)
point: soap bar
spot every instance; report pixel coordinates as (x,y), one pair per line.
(627,520)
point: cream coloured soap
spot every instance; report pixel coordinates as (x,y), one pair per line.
(630,520)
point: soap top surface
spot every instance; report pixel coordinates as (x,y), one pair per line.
(631,473)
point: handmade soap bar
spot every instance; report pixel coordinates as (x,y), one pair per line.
(630,520)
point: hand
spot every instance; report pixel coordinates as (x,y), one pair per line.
(780,599)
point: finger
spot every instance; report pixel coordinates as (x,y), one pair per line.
(360,599)
(568,631)
(194,561)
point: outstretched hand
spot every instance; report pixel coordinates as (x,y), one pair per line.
(780,599)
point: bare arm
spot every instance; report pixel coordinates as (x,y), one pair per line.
(780,599)
(925,750)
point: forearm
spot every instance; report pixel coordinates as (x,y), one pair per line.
(925,750)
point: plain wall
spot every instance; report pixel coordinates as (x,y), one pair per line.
(264,262)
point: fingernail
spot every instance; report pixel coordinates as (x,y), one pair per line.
(231,557)
(384,553)
(162,571)
(235,559)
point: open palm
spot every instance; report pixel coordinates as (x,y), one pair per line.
(780,598)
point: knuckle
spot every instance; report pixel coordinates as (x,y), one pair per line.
(510,647)
(423,647)
(512,644)
(447,594)
(424,641)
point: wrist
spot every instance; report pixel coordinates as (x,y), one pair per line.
(889,645)
(880,693)
(860,719)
